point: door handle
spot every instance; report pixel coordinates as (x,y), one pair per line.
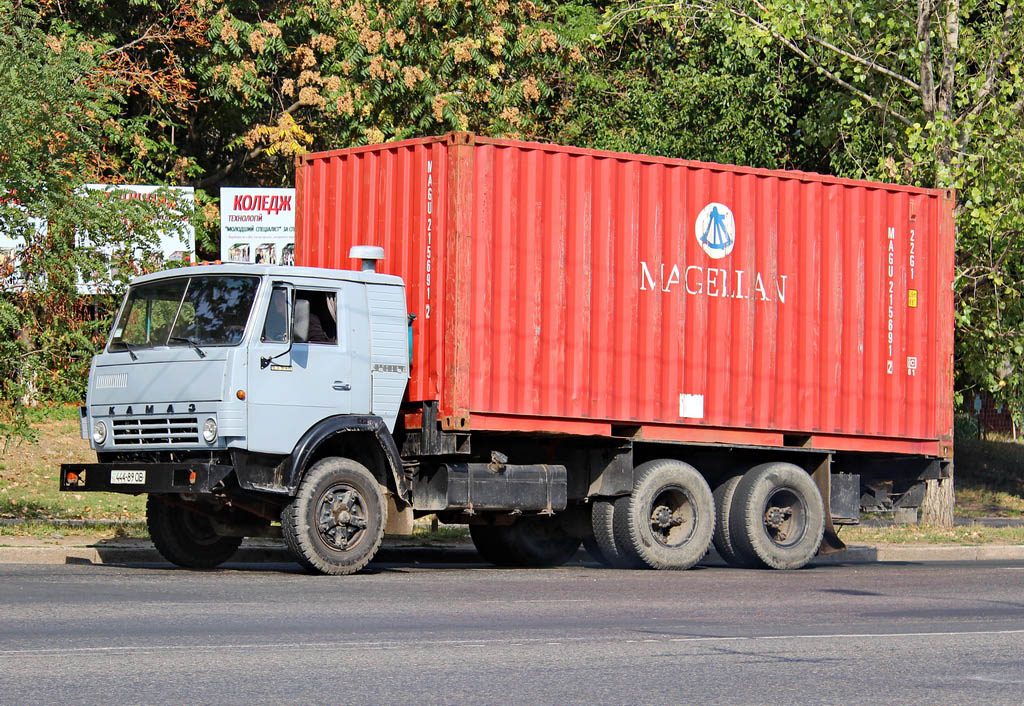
(339,385)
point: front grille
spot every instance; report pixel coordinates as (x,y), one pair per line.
(145,431)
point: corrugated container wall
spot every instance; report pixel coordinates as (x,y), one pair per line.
(570,290)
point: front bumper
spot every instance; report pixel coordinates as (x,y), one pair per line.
(155,477)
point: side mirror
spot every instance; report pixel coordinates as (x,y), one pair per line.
(300,324)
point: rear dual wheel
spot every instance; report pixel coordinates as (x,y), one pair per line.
(775,518)
(723,540)
(666,523)
(530,541)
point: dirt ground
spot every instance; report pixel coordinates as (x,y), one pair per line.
(29,480)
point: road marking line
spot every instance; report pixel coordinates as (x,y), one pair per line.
(393,644)
(995,680)
(533,600)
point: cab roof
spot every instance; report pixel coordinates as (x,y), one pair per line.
(277,271)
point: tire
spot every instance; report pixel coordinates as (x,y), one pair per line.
(590,544)
(669,520)
(723,538)
(602,520)
(543,541)
(777,517)
(335,523)
(186,538)
(494,544)
(532,541)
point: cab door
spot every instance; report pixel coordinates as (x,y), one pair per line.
(295,382)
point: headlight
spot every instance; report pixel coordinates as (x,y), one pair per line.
(210,430)
(99,432)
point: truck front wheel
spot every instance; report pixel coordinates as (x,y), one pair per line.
(777,517)
(668,521)
(186,538)
(335,523)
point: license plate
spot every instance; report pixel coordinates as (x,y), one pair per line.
(127,477)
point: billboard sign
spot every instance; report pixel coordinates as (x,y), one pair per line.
(257,225)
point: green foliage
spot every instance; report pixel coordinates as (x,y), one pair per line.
(229,91)
(56,111)
(654,86)
(233,88)
(930,94)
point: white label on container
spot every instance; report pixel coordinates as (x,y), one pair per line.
(691,406)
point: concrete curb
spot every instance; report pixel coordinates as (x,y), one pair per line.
(141,551)
(875,553)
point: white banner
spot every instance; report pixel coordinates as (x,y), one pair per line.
(11,278)
(180,246)
(174,246)
(177,246)
(257,225)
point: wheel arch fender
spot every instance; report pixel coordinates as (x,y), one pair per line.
(363,438)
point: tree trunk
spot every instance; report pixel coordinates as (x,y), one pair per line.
(937,506)
(26,374)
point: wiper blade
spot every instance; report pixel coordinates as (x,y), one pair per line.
(128,347)
(200,351)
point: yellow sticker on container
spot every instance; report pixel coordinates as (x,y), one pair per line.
(912,297)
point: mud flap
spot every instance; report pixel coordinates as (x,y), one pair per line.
(830,542)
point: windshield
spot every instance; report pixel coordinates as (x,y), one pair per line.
(206,310)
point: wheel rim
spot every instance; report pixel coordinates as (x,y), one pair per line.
(673,516)
(199,528)
(341,517)
(785,517)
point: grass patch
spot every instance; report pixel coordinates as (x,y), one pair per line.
(928,534)
(443,533)
(989,478)
(43,414)
(43,529)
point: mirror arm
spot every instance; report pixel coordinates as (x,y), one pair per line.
(265,361)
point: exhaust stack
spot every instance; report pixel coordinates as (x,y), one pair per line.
(368,254)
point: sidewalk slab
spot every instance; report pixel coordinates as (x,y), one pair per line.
(29,550)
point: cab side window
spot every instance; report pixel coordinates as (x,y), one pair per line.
(323,315)
(275,328)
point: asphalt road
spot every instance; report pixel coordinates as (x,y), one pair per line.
(468,634)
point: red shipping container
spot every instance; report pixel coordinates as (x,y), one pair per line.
(577,291)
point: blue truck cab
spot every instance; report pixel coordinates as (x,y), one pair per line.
(224,388)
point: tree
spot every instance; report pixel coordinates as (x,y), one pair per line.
(58,109)
(653,86)
(234,89)
(927,92)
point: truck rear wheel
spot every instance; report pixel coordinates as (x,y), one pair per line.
(669,520)
(186,538)
(777,517)
(531,541)
(493,544)
(723,540)
(603,523)
(543,541)
(335,523)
